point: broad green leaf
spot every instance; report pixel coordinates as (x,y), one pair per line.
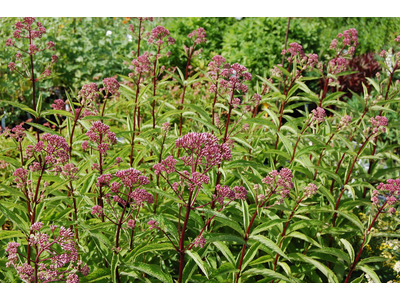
(21,223)
(349,248)
(152,270)
(264,226)
(332,251)
(96,276)
(225,252)
(324,269)
(221,237)
(250,254)
(4,234)
(268,273)
(198,261)
(269,244)
(371,273)
(304,237)
(114,266)
(223,269)
(150,247)
(12,191)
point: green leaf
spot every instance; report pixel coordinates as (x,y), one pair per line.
(96,276)
(58,112)
(250,255)
(97,235)
(21,106)
(268,273)
(11,161)
(225,252)
(114,265)
(324,269)
(264,226)
(12,191)
(198,261)
(218,237)
(335,252)
(21,223)
(304,237)
(44,128)
(269,244)
(267,82)
(4,234)
(371,273)
(152,270)
(246,216)
(223,269)
(151,247)
(349,248)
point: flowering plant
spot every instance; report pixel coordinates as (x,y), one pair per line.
(171,176)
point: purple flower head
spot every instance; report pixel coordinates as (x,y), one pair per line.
(279,182)
(59,104)
(97,210)
(198,36)
(88,93)
(111,86)
(142,64)
(318,115)
(233,77)
(310,190)
(101,135)
(214,66)
(153,224)
(200,241)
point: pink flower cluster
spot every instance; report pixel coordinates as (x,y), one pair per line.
(16,133)
(69,171)
(52,268)
(198,36)
(141,64)
(58,104)
(153,224)
(158,34)
(167,165)
(221,192)
(214,66)
(200,241)
(233,78)
(21,177)
(390,191)
(205,147)
(279,182)
(344,121)
(379,124)
(57,149)
(318,115)
(111,86)
(100,134)
(338,65)
(88,93)
(294,50)
(310,190)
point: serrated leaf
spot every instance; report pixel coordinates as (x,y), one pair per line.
(198,261)
(371,273)
(269,244)
(268,273)
(324,269)
(4,234)
(152,270)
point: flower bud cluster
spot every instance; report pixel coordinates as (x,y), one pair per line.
(101,135)
(390,191)
(56,266)
(278,182)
